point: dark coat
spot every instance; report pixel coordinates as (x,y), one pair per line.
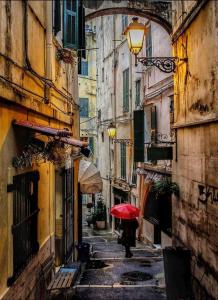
(129,232)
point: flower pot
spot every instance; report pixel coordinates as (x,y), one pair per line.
(100,224)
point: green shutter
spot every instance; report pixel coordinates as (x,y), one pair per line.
(57,16)
(82,34)
(153,124)
(84,107)
(137,93)
(123,160)
(149,43)
(126,90)
(138,123)
(70,23)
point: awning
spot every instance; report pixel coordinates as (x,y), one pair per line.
(74,142)
(42,129)
(46,130)
(89,178)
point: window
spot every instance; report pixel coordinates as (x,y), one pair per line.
(149,43)
(70,30)
(102,137)
(153,124)
(84,68)
(134,174)
(57,16)
(126,90)
(91,143)
(24,229)
(137,93)
(123,160)
(124,22)
(84,107)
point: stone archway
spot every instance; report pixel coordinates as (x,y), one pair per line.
(157,11)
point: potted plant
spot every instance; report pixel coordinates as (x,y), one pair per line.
(166,188)
(100,215)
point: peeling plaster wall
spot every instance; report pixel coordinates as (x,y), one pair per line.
(16,103)
(196,103)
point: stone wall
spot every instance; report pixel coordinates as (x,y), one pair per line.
(196,119)
(31,284)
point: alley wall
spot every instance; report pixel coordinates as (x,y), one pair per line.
(196,114)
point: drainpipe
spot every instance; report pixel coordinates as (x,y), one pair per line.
(49,44)
(131,121)
(114,112)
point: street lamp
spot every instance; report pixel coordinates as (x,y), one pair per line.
(112,133)
(135,34)
(111,130)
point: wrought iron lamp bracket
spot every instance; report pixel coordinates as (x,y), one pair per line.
(164,64)
(127,142)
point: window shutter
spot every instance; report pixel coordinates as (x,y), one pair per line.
(126,90)
(123,160)
(84,107)
(138,119)
(153,124)
(138,88)
(70,24)
(149,43)
(82,33)
(57,16)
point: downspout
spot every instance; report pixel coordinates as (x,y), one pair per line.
(49,44)
(131,121)
(114,111)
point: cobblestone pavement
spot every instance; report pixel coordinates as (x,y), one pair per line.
(109,275)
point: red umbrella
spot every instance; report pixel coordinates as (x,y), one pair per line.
(125,211)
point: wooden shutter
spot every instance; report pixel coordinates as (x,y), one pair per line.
(82,34)
(123,160)
(57,16)
(137,96)
(153,124)
(70,24)
(126,90)
(149,43)
(138,119)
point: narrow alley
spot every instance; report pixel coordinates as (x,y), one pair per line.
(109,275)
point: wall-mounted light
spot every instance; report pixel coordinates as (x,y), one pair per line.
(135,34)
(111,130)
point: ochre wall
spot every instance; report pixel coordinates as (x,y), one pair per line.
(195,214)
(20,104)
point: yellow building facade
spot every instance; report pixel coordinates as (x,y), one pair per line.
(87,88)
(38,87)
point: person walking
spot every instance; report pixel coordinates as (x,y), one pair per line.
(129,235)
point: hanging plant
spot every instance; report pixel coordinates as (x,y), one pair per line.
(166,187)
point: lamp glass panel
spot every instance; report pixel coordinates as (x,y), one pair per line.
(135,39)
(111,132)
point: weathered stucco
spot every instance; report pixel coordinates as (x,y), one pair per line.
(20,104)
(196,103)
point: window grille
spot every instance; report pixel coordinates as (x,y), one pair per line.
(68,188)
(126,90)
(25,212)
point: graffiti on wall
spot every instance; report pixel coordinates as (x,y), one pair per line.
(207,194)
